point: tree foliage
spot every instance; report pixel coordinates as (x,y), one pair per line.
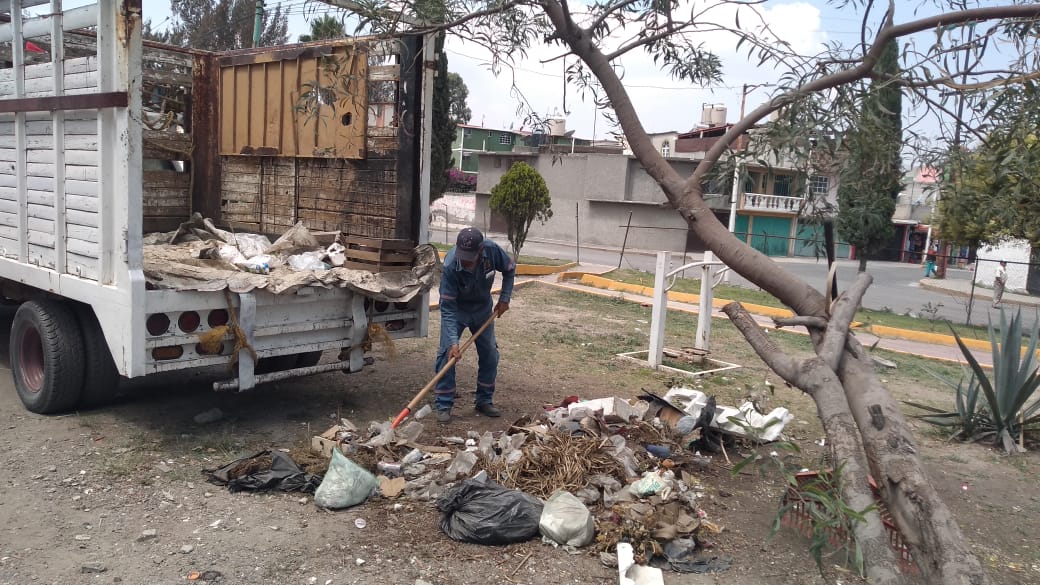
(223,25)
(871,176)
(323,28)
(992,191)
(521,196)
(458,94)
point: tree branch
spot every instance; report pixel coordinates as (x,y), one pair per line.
(809,322)
(841,317)
(784,365)
(860,71)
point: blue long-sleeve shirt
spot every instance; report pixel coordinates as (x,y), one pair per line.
(470,291)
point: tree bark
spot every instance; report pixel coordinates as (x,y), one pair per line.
(820,382)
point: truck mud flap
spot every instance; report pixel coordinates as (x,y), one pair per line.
(233,384)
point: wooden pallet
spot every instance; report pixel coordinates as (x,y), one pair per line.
(378,255)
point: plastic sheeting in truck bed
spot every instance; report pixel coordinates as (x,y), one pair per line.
(193,263)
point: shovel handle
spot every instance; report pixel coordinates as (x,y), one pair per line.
(451,363)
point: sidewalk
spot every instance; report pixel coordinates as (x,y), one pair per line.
(962,288)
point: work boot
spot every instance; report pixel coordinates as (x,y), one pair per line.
(488,409)
(444,416)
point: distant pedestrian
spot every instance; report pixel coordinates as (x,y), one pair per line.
(929,266)
(999,280)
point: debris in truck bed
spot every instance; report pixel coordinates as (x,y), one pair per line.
(198,256)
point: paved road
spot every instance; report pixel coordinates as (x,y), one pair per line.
(896,285)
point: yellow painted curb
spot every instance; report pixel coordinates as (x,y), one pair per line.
(600,282)
(530,269)
(540,270)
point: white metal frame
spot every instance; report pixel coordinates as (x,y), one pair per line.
(655,353)
(118,295)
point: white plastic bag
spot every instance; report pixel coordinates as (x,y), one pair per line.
(651,484)
(345,484)
(230,254)
(250,244)
(565,520)
(307,261)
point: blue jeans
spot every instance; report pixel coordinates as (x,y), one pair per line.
(487,361)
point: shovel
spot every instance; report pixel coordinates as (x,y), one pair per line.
(451,363)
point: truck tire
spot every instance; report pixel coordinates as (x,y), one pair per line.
(100,376)
(46,350)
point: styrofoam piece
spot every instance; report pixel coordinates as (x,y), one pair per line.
(612,406)
(643,575)
(625,559)
(687,400)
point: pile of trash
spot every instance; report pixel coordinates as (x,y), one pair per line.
(200,256)
(614,475)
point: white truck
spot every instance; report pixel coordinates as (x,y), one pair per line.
(105,138)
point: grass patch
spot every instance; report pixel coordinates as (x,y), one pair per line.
(757,297)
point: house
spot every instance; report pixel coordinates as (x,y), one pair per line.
(470,141)
(912,219)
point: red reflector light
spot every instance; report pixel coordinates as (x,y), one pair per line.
(189,321)
(217,317)
(171,352)
(157,324)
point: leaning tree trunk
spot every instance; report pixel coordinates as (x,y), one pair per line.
(934,539)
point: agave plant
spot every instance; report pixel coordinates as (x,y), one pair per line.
(1007,391)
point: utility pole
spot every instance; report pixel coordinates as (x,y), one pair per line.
(258,22)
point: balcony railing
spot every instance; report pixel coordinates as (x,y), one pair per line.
(772,203)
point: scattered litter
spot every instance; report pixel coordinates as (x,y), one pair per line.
(391,488)
(359,562)
(267,470)
(186,549)
(148,534)
(630,573)
(565,520)
(461,465)
(422,412)
(360,523)
(652,483)
(307,261)
(743,421)
(345,484)
(93,568)
(487,513)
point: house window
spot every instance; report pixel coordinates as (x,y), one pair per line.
(505,138)
(819,185)
(498,162)
(467,132)
(782,185)
(666,149)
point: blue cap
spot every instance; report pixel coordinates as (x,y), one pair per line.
(468,244)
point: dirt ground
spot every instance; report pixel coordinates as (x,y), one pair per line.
(79,492)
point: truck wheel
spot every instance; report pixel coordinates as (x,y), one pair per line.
(101,378)
(47,356)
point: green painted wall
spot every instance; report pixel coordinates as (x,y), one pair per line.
(810,238)
(770,235)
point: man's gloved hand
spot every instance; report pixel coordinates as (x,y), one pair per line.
(501,308)
(454,353)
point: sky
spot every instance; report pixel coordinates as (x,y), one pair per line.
(663,103)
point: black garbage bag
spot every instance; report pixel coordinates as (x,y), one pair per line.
(267,470)
(487,513)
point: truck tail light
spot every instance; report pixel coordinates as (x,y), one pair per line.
(170,352)
(157,324)
(217,317)
(189,321)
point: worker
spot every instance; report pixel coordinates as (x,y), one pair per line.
(466,303)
